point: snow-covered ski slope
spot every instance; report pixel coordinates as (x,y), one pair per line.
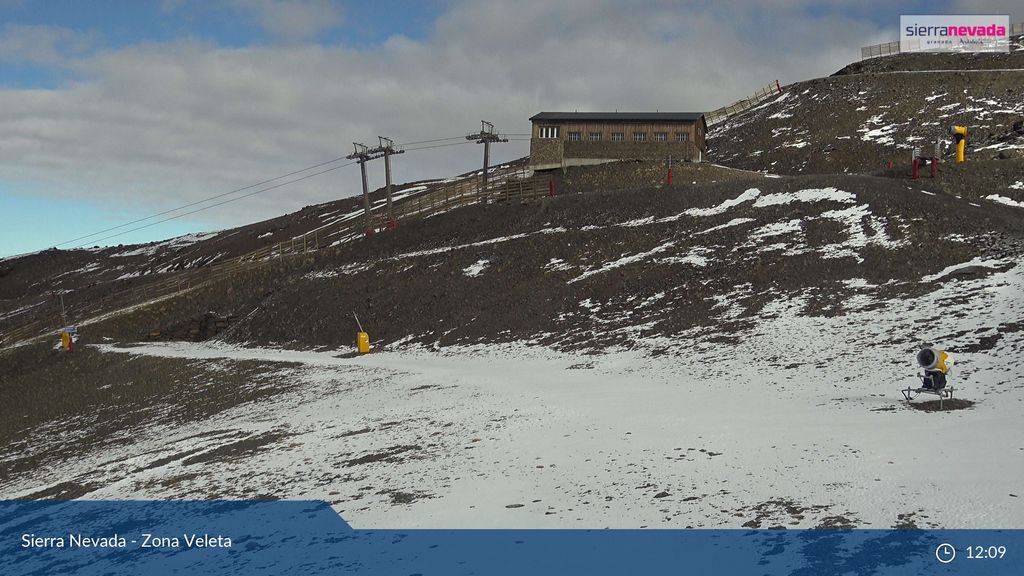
(765,413)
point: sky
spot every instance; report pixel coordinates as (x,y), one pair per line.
(114,110)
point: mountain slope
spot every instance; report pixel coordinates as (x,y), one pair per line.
(574,271)
(726,356)
(876,111)
(35,287)
(727,351)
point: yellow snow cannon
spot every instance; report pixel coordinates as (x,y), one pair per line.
(960,137)
(937,366)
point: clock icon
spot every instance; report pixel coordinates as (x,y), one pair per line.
(945,553)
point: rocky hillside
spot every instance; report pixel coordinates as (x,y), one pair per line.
(719,354)
(600,270)
(875,111)
(31,284)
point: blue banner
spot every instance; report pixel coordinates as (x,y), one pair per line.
(253,538)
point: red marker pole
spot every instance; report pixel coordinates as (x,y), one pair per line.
(915,168)
(933,162)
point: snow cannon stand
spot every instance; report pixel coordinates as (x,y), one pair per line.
(936,364)
(943,393)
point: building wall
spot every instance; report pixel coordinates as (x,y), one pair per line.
(555,152)
(627,128)
(627,150)
(545,151)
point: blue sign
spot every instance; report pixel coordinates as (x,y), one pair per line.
(254,538)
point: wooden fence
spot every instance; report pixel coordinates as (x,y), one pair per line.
(504,185)
(740,106)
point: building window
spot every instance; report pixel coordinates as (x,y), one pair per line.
(595,136)
(682,136)
(575,136)
(639,136)
(617,137)
(549,131)
(661,136)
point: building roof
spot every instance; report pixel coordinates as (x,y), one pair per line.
(619,116)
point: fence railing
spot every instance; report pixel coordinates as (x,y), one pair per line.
(740,106)
(884,49)
(890,48)
(504,185)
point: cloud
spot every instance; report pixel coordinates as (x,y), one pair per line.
(161,124)
(44,45)
(1013,8)
(291,20)
(287,21)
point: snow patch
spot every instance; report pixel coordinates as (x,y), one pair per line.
(557,265)
(976,262)
(749,194)
(698,256)
(730,223)
(624,261)
(807,195)
(351,268)
(1004,200)
(476,269)
(172,244)
(776,229)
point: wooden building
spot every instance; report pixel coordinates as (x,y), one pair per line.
(561,139)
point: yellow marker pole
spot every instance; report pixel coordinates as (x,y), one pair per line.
(362,338)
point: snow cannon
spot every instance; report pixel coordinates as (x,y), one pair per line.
(936,364)
(960,137)
(933,359)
